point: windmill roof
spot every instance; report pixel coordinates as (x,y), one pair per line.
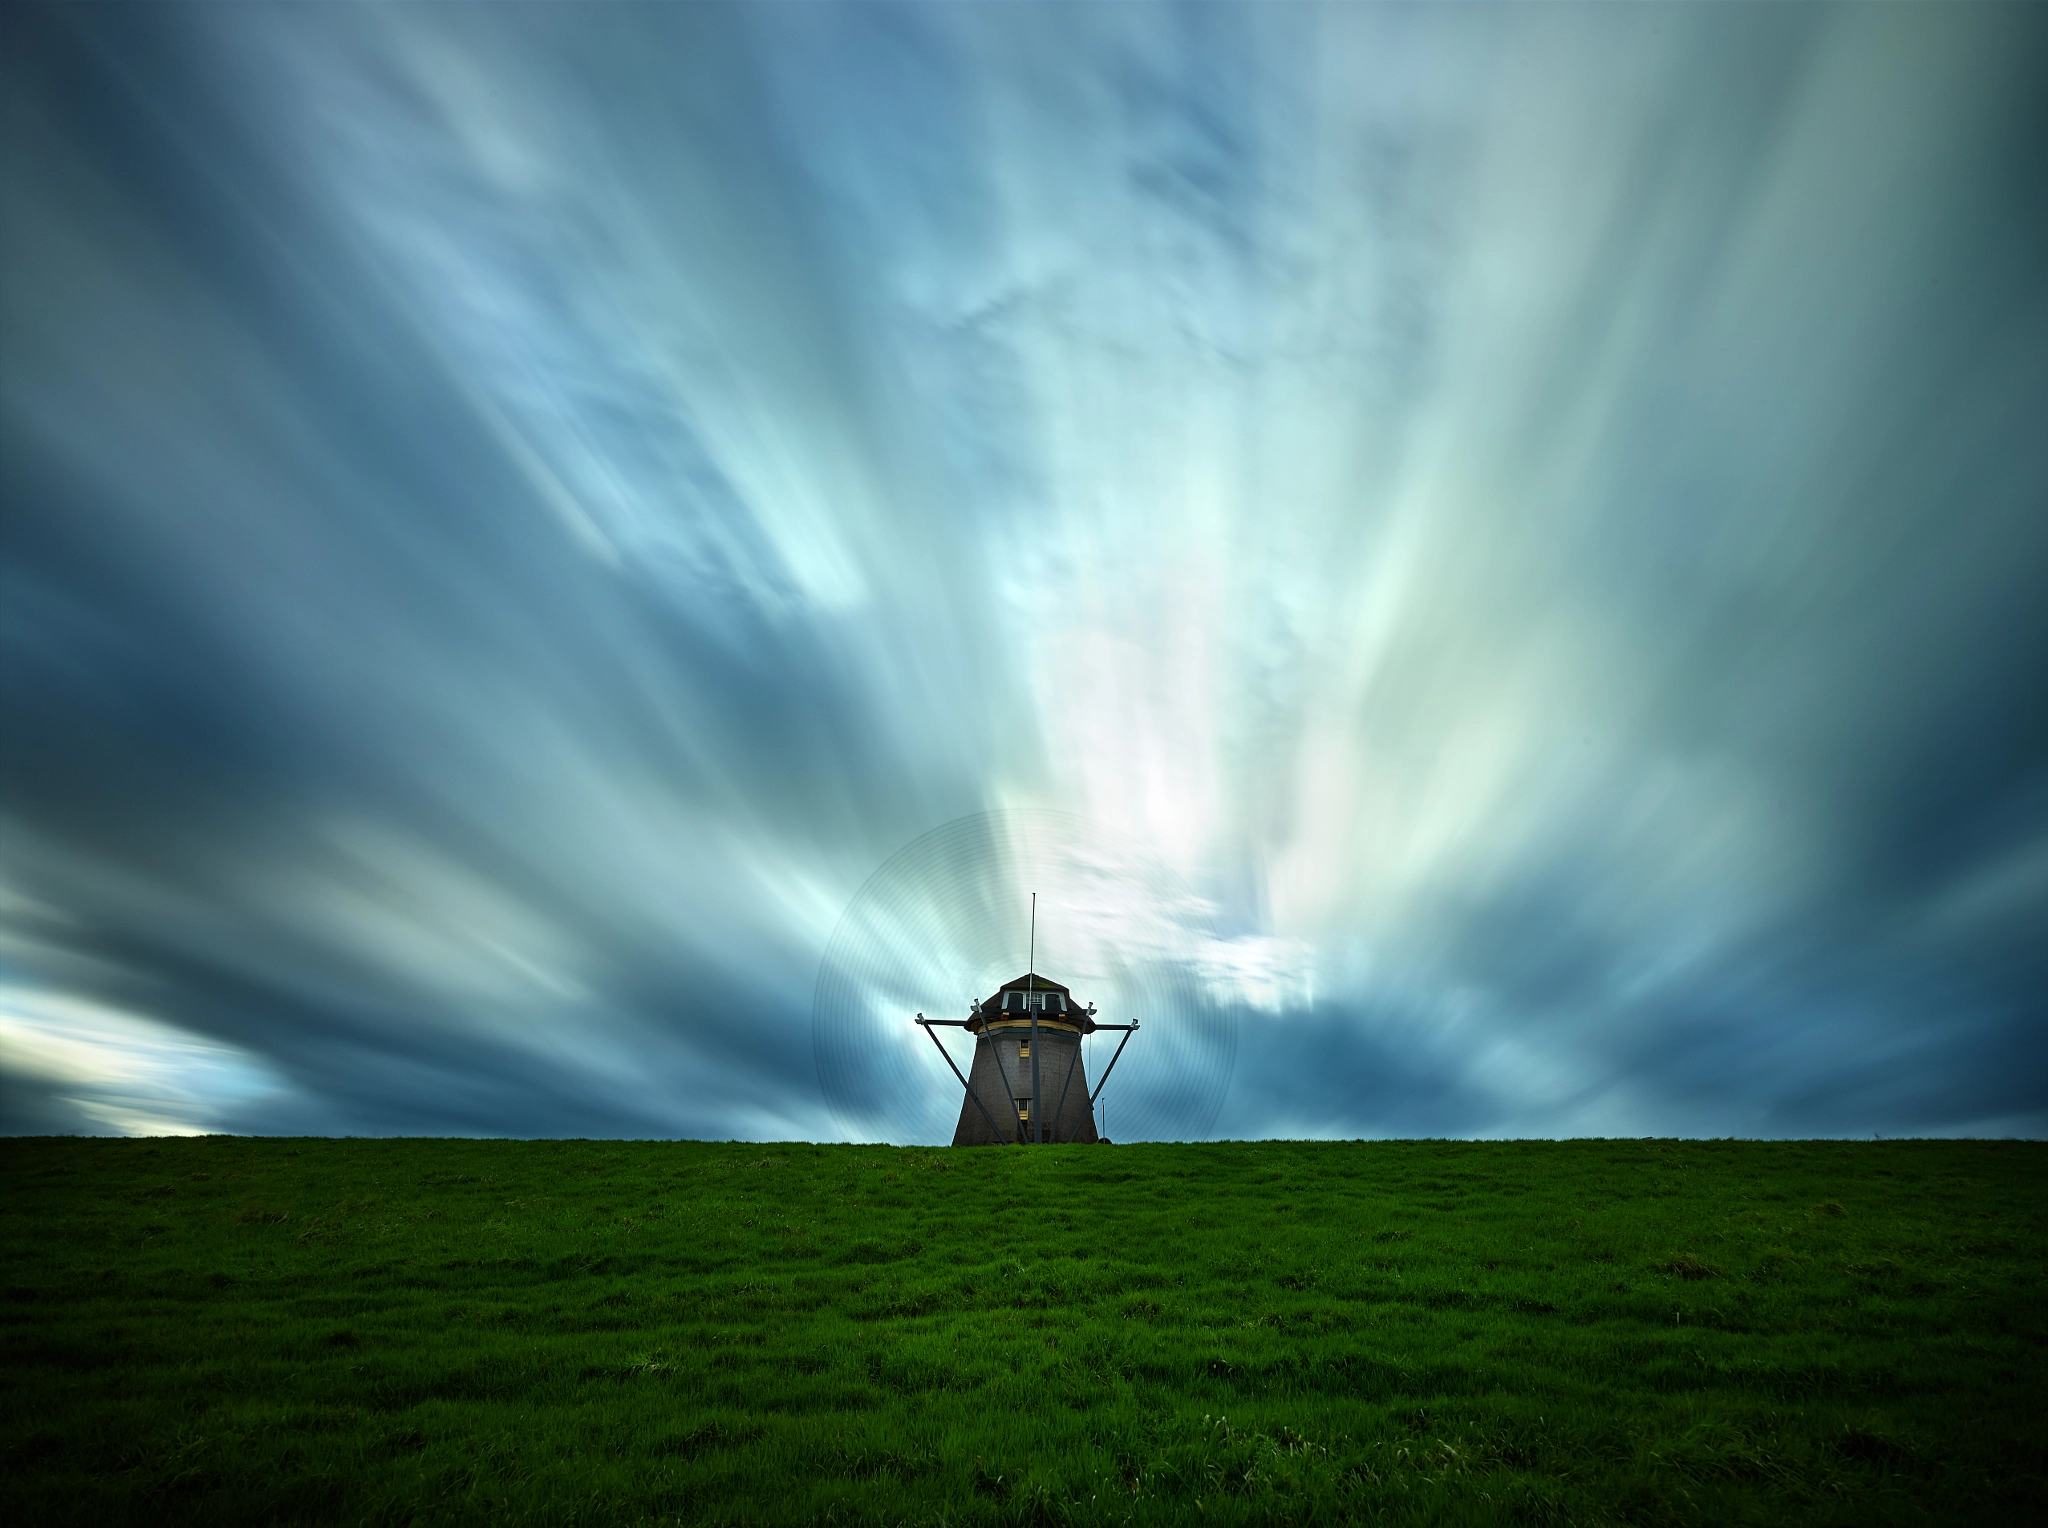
(1034,983)
(1076,1016)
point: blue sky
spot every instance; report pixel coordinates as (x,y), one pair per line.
(1532,520)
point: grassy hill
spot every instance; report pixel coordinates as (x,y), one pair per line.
(231,1330)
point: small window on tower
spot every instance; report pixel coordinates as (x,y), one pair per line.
(1024,1051)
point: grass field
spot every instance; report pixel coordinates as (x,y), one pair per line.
(232,1330)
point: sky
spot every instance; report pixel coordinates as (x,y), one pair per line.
(1525,526)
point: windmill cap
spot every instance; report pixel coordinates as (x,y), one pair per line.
(1076,1015)
(1034,983)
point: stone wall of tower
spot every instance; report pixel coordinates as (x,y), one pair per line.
(1001,1079)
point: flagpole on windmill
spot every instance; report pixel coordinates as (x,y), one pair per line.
(1031,975)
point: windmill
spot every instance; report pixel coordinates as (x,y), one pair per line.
(1020,1086)
(939,915)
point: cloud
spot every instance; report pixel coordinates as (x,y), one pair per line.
(1533,514)
(118,1073)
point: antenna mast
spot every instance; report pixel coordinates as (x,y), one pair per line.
(1031,1006)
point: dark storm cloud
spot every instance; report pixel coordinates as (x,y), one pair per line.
(1538,514)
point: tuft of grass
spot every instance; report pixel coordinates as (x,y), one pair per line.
(582,1332)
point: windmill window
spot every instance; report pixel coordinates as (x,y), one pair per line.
(1024,1051)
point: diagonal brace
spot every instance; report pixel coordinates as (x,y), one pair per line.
(1103,1081)
(1073,1062)
(926,1025)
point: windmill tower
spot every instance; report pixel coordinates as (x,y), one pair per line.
(1028,1082)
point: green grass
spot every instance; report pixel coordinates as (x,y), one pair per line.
(228,1330)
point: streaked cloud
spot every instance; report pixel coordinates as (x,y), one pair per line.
(1534,514)
(71,1062)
